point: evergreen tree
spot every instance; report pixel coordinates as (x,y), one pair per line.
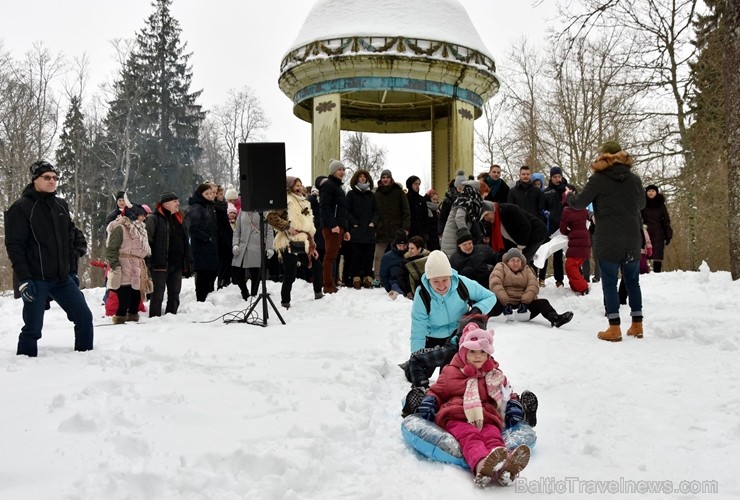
(154,120)
(707,141)
(71,156)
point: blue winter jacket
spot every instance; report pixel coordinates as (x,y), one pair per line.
(445,311)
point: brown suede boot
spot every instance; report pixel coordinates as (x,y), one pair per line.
(356,282)
(118,320)
(635,330)
(368,282)
(612,334)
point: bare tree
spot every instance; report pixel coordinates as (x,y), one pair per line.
(240,119)
(359,152)
(214,164)
(662,34)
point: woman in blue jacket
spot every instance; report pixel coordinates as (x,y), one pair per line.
(434,326)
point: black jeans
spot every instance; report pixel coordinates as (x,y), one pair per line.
(69,297)
(537,306)
(172,281)
(290,267)
(128,300)
(239,276)
(204,281)
(557,267)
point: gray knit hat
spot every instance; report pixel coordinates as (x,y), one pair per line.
(460,178)
(513,252)
(335,165)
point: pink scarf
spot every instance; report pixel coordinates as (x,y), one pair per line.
(471,399)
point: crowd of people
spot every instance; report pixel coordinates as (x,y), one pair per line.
(460,261)
(368,234)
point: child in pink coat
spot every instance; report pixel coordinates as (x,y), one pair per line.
(468,401)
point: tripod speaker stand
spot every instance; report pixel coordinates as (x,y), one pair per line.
(263,297)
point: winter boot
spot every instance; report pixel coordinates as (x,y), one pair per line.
(285,305)
(118,320)
(132,317)
(489,467)
(542,283)
(558,320)
(559,284)
(393,294)
(529,402)
(245,295)
(368,282)
(356,283)
(635,330)
(513,465)
(318,295)
(612,334)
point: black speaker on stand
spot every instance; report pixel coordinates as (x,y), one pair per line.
(262,186)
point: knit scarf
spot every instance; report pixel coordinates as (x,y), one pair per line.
(472,405)
(471,201)
(494,186)
(497,239)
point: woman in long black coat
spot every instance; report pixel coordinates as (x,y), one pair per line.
(655,216)
(362,214)
(203,228)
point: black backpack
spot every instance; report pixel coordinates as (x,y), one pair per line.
(462,290)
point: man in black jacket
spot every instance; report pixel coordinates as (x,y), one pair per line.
(553,213)
(38,231)
(473,261)
(170,257)
(334,223)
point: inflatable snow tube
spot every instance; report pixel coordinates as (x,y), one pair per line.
(437,444)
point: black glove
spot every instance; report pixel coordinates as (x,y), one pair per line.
(28,290)
(522,309)
(428,408)
(475,310)
(75,278)
(508,310)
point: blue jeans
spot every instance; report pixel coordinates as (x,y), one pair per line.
(69,297)
(631,277)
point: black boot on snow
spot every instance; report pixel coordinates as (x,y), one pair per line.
(529,403)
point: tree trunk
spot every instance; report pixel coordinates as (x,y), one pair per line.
(732,116)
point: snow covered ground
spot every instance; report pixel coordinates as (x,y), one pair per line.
(176,409)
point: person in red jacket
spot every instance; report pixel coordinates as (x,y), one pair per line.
(471,395)
(574,225)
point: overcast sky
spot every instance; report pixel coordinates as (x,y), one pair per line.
(237,43)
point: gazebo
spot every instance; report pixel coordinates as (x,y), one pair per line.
(390,66)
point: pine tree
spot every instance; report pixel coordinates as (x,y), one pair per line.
(71,156)
(707,141)
(154,119)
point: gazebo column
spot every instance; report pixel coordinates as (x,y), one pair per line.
(441,165)
(462,132)
(326,128)
(452,144)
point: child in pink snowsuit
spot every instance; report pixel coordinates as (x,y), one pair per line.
(471,394)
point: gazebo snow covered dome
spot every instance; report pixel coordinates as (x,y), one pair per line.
(390,66)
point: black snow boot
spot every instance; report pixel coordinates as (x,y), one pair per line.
(529,403)
(558,320)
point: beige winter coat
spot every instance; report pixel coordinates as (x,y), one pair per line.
(126,247)
(513,288)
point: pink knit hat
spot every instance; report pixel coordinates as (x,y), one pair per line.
(475,338)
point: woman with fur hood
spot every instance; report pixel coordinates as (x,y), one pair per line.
(516,289)
(126,246)
(655,216)
(618,197)
(294,240)
(362,215)
(469,401)
(246,248)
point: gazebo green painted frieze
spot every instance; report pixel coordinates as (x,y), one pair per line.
(390,66)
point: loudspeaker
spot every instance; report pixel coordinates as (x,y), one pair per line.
(262,176)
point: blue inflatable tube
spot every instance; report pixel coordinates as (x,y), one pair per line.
(437,444)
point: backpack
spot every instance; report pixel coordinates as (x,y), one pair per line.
(462,290)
